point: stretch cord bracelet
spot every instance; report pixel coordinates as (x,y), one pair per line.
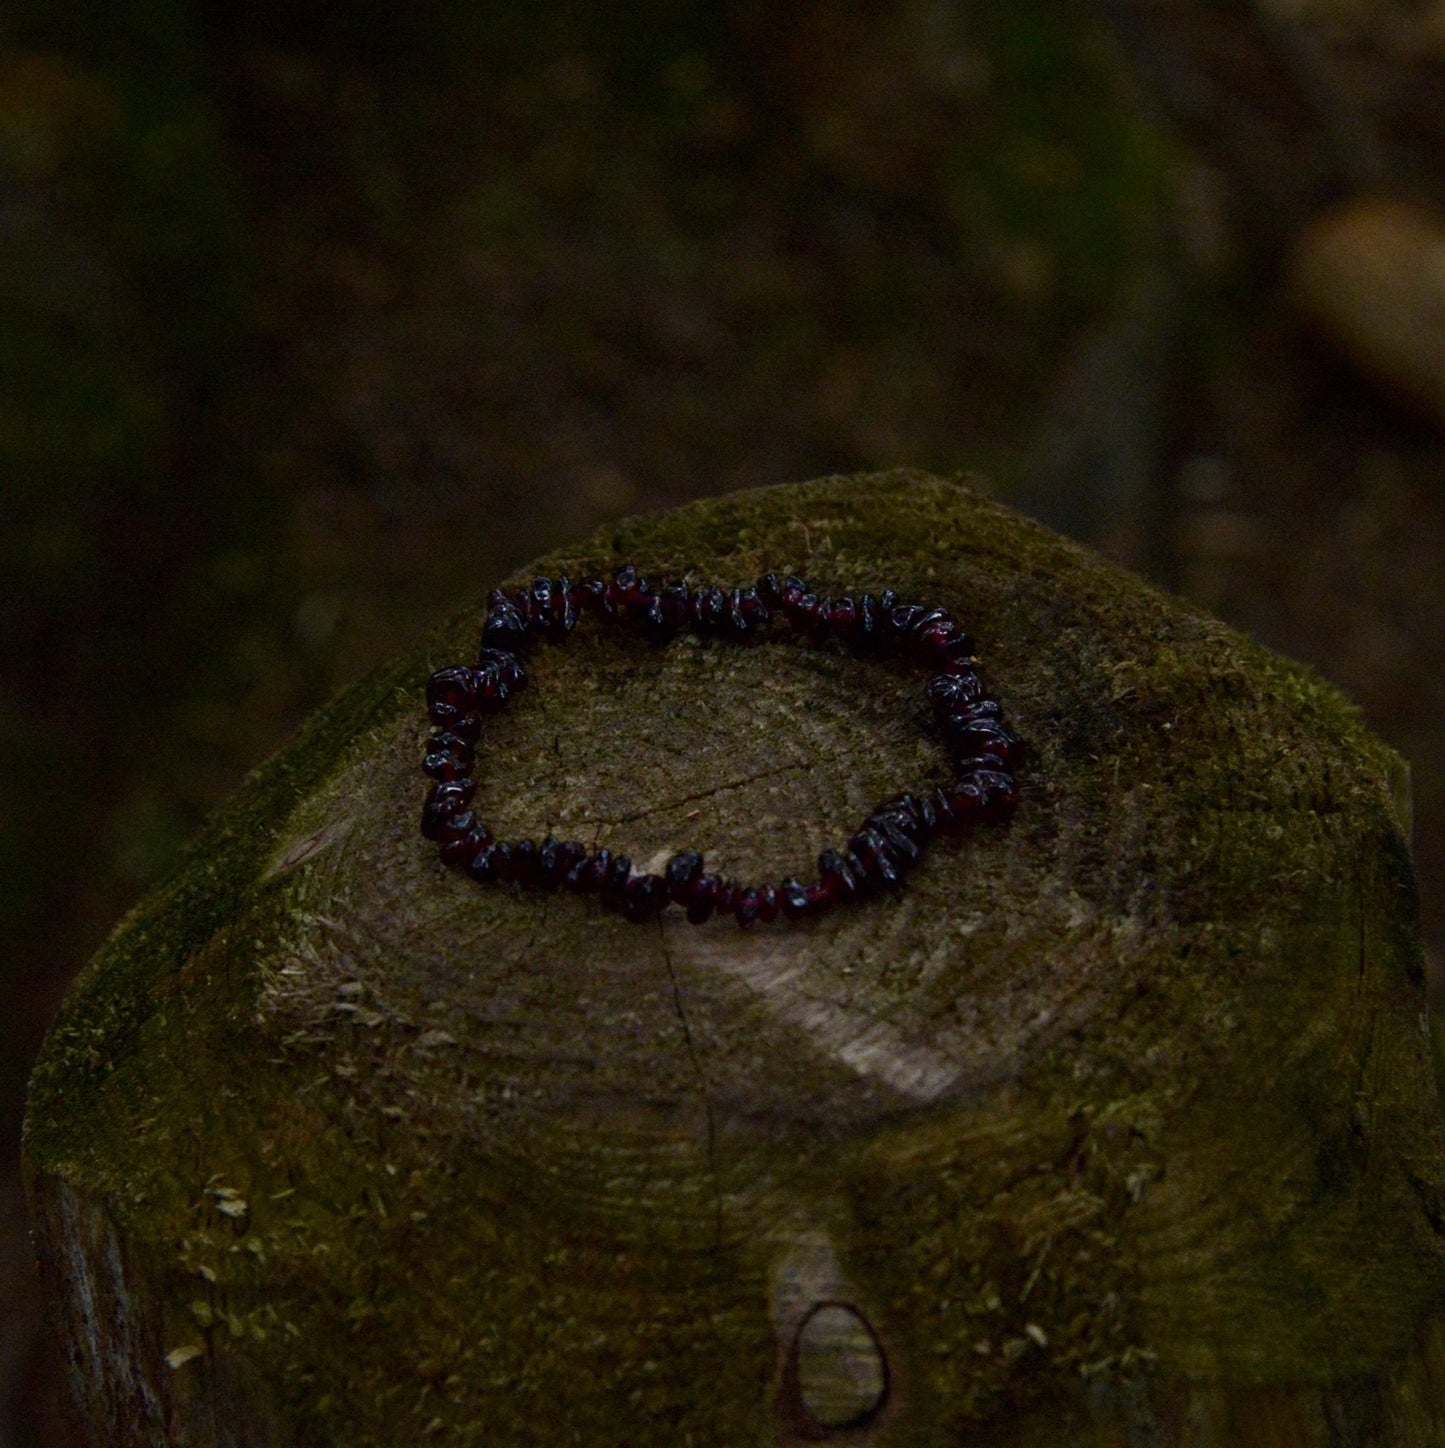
(889,843)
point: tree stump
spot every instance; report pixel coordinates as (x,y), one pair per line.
(1116,1126)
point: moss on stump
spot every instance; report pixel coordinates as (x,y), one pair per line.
(1116,1126)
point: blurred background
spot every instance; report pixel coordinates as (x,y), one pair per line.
(315,322)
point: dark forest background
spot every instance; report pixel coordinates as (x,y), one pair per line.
(316,319)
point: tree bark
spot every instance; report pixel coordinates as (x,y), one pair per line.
(1117,1125)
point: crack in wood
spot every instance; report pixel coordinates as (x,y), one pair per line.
(696,1062)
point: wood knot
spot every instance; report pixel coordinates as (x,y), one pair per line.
(837,1371)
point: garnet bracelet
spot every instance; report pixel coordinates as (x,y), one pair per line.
(893,837)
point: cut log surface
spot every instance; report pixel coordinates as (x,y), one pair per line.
(1117,1125)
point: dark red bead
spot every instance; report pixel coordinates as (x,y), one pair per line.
(655,624)
(506,667)
(615,881)
(792,593)
(810,619)
(682,872)
(647,596)
(643,898)
(505,627)
(803,614)
(943,644)
(818,896)
(458,853)
(952,691)
(734,625)
(966,764)
(624,581)
(870,623)
(447,716)
(494,696)
(983,736)
(540,602)
(499,598)
(702,900)
(897,835)
(524,866)
(883,872)
(901,813)
(984,791)
(493,686)
(442,764)
(835,874)
(865,842)
(507,664)
(904,616)
(532,872)
(436,820)
(589,874)
(451,793)
(745,907)
(943,807)
(903,807)
(709,609)
(755,612)
(593,595)
(549,607)
(793,895)
(504,857)
(482,867)
(549,864)
(862,847)
(667,614)
(816,628)
(770,590)
(727,894)
(675,598)
(455,686)
(953,653)
(859,871)
(768,904)
(448,828)
(895,813)
(979,710)
(965,802)
(450,742)
(878,862)
(841,616)
(629,591)
(927,618)
(561,617)
(926,815)
(467,728)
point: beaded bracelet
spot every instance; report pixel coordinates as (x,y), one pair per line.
(889,843)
